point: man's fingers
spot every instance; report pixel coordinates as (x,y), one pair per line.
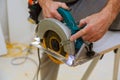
(55,13)
(78,34)
(57,16)
(63,5)
(81,32)
(82,22)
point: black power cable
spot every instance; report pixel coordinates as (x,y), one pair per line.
(38,70)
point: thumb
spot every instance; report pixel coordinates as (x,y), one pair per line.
(63,5)
(82,23)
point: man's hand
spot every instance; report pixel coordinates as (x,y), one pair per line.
(97,24)
(49,8)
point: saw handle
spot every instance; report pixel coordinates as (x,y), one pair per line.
(68,19)
(71,24)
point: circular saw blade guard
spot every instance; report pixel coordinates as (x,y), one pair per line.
(60,29)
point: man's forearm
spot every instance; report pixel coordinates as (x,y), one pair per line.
(41,2)
(113,6)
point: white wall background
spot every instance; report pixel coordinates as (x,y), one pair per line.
(3,49)
(3,27)
(13,19)
(4,19)
(20,30)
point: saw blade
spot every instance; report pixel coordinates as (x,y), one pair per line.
(52,41)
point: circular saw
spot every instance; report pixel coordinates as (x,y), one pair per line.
(54,40)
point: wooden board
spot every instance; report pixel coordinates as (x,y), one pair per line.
(110,41)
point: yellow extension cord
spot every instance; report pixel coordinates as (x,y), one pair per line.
(17,49)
